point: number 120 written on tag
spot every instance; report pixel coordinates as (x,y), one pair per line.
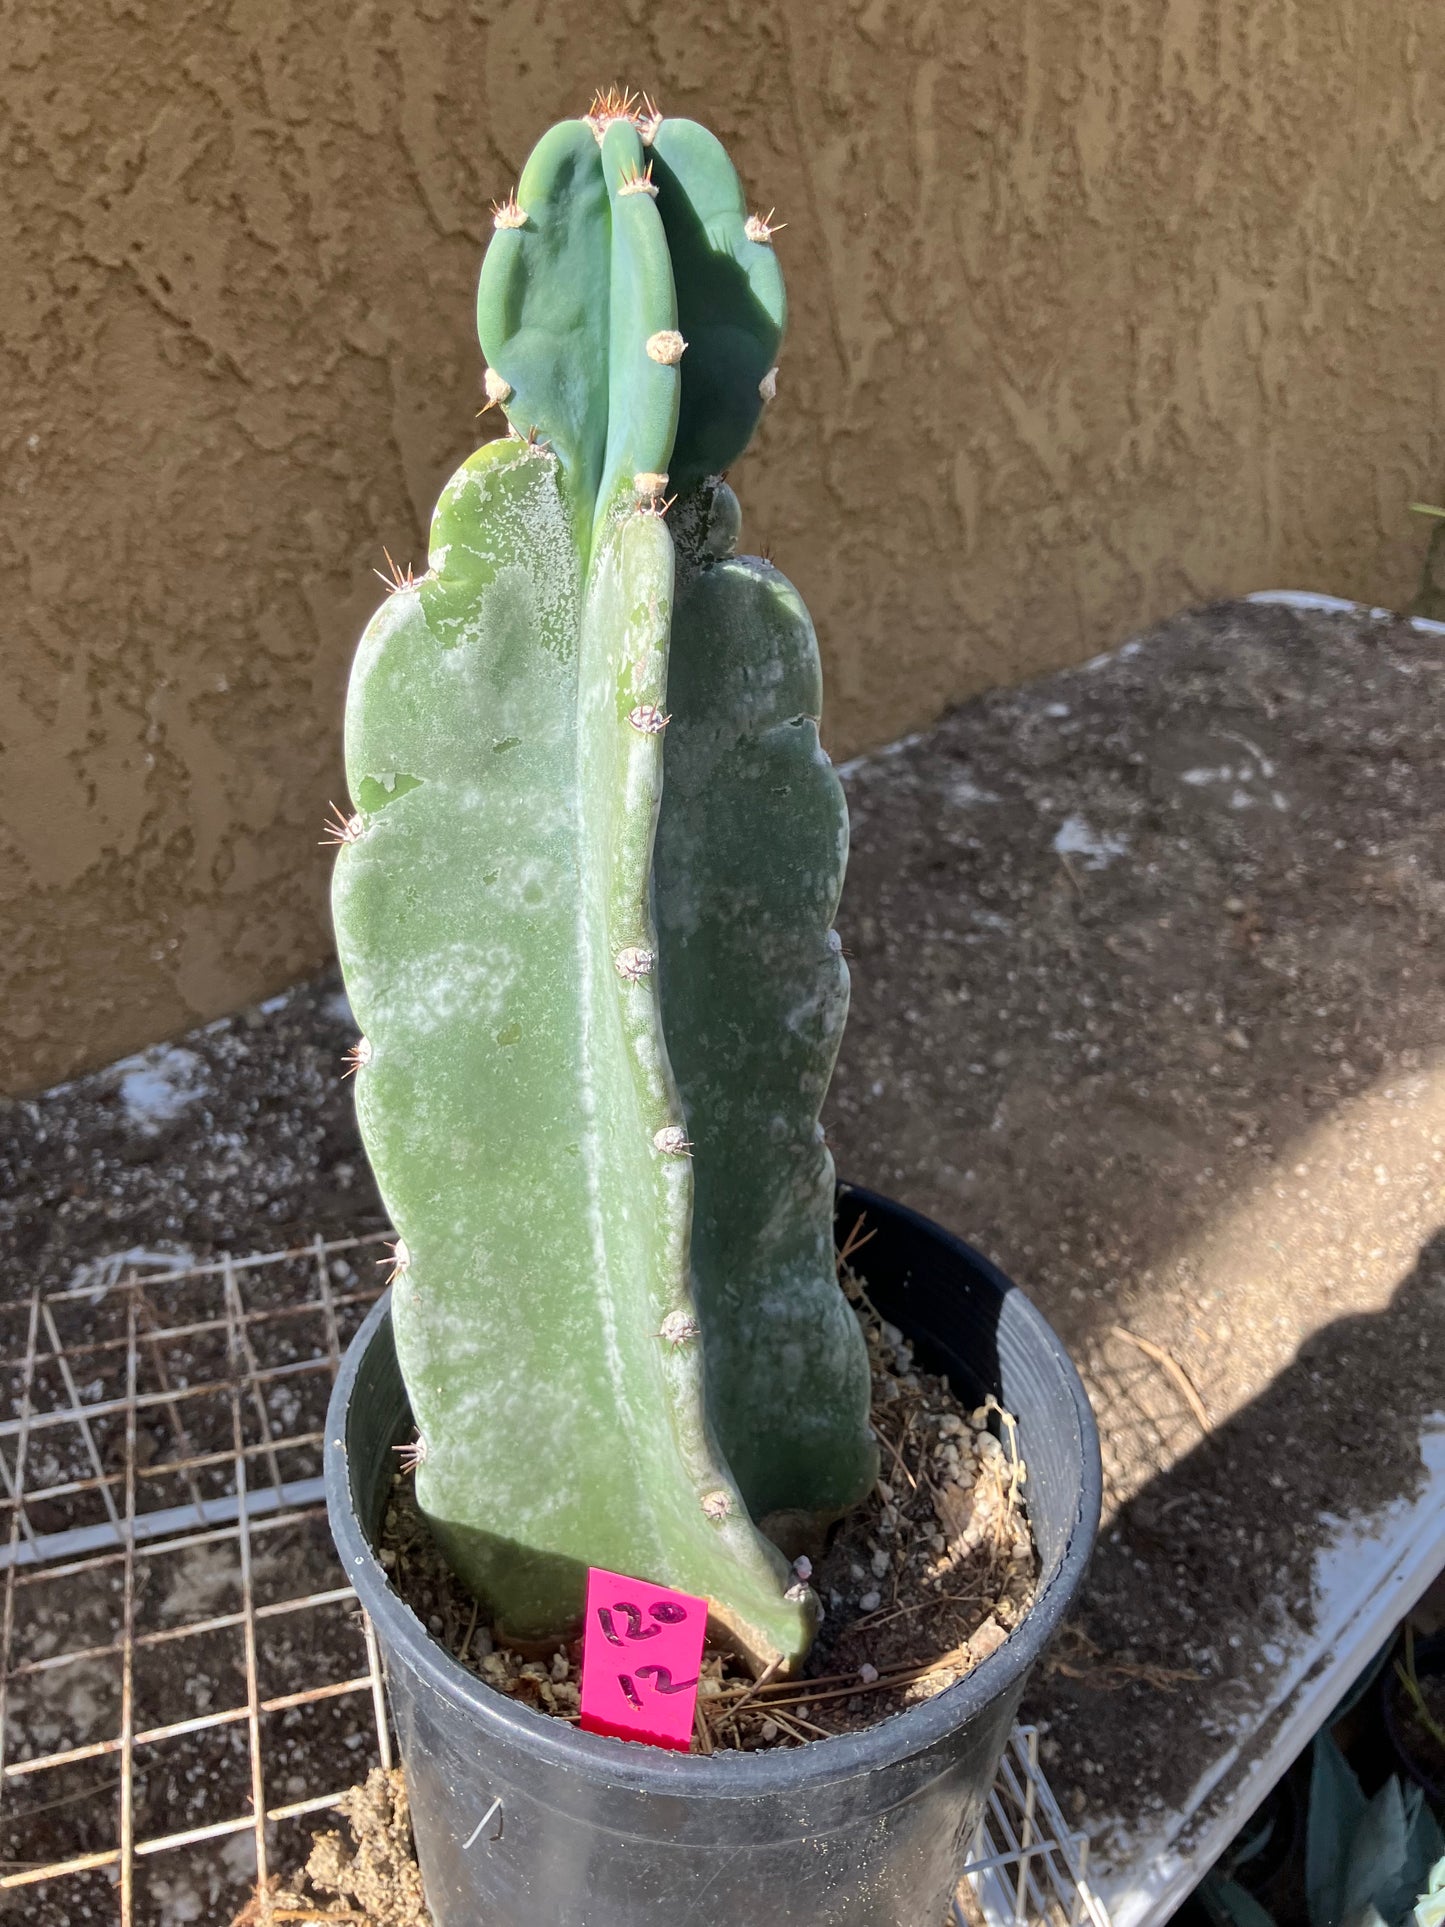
(641,1659)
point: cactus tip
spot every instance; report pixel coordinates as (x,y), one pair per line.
(508,213)
(618,103)
(672,1140)
(634,963)
(762,227)
(666,346)
(358,1057)
(648,121)
(718,1505)
(413,1454)
(399,1258)
(499,389)
(648,718)
(638,181)
(768,386)
(650,490)
(341,828)
(395,579)
(679,1328)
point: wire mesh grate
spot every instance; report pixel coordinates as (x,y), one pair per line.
(180,1668)
(184,1678)
(1027,1867)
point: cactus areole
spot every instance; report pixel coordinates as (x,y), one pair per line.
(583,901)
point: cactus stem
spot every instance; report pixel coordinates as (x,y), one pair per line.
(666,346)
(634,963)
(639,181)
(673,1141)
(395,580)
(762,227)
(358,1057)
(679,1328)
(508,213)
(412,1455)
(399,1258)
(768,386)
(718,1505)
(648,718)
(341,828)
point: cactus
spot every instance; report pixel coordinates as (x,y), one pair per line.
(595,1046)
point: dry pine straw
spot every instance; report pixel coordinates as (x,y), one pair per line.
(922,1581)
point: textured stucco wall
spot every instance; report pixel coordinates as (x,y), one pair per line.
(1099,307)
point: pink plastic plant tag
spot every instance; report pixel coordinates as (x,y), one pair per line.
(641,1657)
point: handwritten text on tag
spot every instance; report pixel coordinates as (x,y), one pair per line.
(641,1658)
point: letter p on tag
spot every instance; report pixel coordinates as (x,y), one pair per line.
(641,1658)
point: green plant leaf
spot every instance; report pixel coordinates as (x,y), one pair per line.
(1430,1907)
(1230,1905)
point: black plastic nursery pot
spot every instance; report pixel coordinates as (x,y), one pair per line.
(1418,1757)
(525,1821)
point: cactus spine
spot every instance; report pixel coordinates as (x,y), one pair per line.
(614,1356)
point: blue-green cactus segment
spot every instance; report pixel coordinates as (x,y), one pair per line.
(576,1399)
(645,348)
(730,303)
(542,312)
(750,856)
(514,1094)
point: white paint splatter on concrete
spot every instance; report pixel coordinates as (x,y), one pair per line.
(158,1084)
(1076,836)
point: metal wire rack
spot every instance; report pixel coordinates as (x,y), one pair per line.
(183,1676)
(176,1648)
(1027,1868)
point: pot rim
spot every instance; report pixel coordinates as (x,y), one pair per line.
(647,1769)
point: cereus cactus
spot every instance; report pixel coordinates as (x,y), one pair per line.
(584,905)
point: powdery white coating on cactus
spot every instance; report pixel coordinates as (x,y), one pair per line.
(679,1328)
(666,346)
(634,963)
(672,1141)
(768,386)
(648,718)
(458,979)
(498,388)
(718,1505)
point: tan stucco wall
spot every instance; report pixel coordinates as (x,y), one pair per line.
(1099,307)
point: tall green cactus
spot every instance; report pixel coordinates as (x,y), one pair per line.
(565,1041)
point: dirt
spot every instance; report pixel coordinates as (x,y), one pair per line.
(238,1136)
(1148,1003)
(920,1583)
(371,1881)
